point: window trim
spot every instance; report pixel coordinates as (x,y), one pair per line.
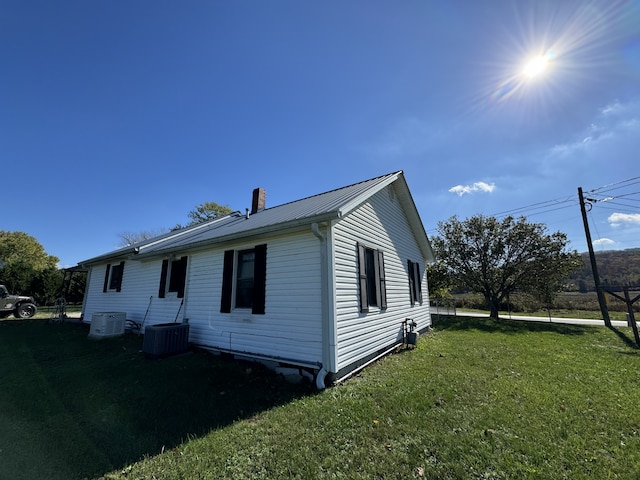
(169,283)
(236,280)
(415,282)
(369,280)
(113,274)
(230,278)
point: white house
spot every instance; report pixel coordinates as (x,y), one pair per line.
(324,284)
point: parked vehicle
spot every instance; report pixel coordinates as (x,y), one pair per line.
(21,306)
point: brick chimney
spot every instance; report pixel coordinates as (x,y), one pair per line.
(259,200)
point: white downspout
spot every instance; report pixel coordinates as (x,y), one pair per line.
(326,318)
(320,379)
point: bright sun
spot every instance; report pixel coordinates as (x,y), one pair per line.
(534,71)
(536,66)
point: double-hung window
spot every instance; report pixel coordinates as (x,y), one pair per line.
(173,277)
(372,281)
(244,276)
(113,277)
(415,282)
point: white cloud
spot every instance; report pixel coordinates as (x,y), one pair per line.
(615,126)
(617,219)
(612,108)
(476,187)
(602,241)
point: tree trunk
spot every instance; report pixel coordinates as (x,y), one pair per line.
(493,303)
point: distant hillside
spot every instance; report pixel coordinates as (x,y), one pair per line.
(616,268)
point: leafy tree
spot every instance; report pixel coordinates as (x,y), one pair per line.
(23,260)
(207,211)
(46,286)
(440,282)
(76,287)
(617,267)
(498,257)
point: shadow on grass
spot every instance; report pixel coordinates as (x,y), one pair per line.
(630,342)
(507,326)
(115,406)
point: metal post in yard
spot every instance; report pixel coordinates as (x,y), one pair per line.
(632,318)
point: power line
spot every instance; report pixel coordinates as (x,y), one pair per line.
(633,181)
(539,206)
(609,197)
(613,205)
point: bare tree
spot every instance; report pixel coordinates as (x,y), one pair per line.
(131,238)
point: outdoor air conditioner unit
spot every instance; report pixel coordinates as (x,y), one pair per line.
(107,324)
(165,339)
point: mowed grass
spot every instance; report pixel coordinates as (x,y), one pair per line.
(476,399)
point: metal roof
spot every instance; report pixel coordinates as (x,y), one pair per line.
(330,205)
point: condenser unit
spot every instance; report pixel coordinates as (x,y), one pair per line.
(107,324)
(165,339)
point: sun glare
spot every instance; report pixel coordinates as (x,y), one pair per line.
(536,66)
(539,61)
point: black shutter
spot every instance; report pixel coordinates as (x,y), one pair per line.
(119,285)
(383,281)
(362,273)
(106,277)
(412,290)
(163,279)
(183,276)
(227,282)
(259,280)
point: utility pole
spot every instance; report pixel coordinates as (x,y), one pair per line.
(594,266)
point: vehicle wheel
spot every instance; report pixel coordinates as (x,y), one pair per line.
(25,310)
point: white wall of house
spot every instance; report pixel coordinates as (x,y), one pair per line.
(140,281)
(381,224)
(290,328)
(291,325)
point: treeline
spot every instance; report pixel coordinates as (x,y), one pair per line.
(26,269)
(616,268)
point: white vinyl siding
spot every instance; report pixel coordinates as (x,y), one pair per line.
(290,328)
(139,283)
(380,223)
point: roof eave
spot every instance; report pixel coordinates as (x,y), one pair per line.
(118,254)
(266,230)
(137,248)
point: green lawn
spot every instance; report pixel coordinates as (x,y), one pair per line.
(476,399)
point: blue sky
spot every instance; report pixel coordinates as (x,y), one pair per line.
(122,116)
